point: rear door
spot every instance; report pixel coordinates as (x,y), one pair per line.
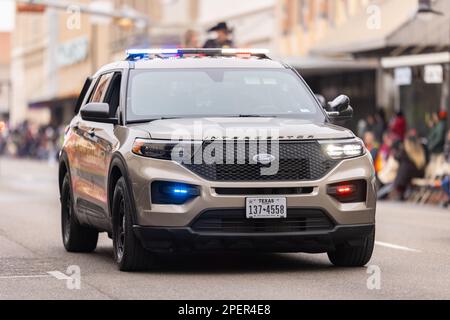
(74,147)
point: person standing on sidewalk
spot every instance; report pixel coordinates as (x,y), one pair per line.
(436,139)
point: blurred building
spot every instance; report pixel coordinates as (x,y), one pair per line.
(253,21)
(54,51)
(292,29)
(379,52)
(5,83)
(411,49)
(366,49)
(305,23)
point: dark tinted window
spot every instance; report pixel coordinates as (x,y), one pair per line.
(101,88)
(82,95)
(113,94)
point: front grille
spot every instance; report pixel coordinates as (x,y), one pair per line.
(297,161)
(235,221)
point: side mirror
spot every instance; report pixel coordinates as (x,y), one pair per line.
(339,108)
(97,112)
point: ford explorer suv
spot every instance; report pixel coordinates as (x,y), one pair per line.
(219,150)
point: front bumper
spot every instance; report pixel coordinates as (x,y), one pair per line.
(163,240)
(143,171)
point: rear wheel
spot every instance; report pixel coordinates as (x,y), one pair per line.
(76,238)
(353,256)
(129,253)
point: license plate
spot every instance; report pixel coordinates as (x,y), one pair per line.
(266,208)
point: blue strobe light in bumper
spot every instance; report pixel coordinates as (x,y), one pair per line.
(173,193)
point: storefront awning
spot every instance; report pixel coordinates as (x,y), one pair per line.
(53,102)
(324,65)
(415,60)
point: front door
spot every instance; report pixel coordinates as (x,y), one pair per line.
(91,154)
(105,144)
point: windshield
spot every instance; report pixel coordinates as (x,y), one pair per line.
(175,93)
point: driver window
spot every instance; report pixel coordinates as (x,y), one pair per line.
(101,88)
(112,96)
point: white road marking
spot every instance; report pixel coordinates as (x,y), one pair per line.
(59,275)
(396,247)
(25,277)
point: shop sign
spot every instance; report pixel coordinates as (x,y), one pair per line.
(403,76)
(434,74)
(72,52)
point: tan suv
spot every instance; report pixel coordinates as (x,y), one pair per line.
(219,150)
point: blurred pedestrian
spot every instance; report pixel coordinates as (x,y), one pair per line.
(445,184)
(389,171)
(2,137)
(380,126)
(223,34)
(384,152)
(371,144)
(361,128)
(191,39)
(370,120)
(412,161)
(28,140)
(436,138)
(398,126)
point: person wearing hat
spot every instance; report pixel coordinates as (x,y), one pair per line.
(222,39)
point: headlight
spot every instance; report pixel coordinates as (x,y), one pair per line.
(165,149)
(344,149)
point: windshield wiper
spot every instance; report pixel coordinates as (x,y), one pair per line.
(141,121)
(256,116)
(150,120)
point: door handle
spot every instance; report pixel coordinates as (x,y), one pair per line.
(92,133)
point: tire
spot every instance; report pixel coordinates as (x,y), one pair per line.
(129,253)
(76,238)
(353,256)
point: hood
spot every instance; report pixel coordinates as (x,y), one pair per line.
(242,128)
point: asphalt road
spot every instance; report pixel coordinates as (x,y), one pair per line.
(412,255)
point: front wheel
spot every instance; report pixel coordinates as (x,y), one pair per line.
(353,256)
(129,253)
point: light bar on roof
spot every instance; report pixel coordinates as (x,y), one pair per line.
(187,51)
(151,51)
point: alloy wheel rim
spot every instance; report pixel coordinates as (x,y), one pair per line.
(121,230)
(67,217)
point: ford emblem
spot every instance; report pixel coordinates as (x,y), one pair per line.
(264,158)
